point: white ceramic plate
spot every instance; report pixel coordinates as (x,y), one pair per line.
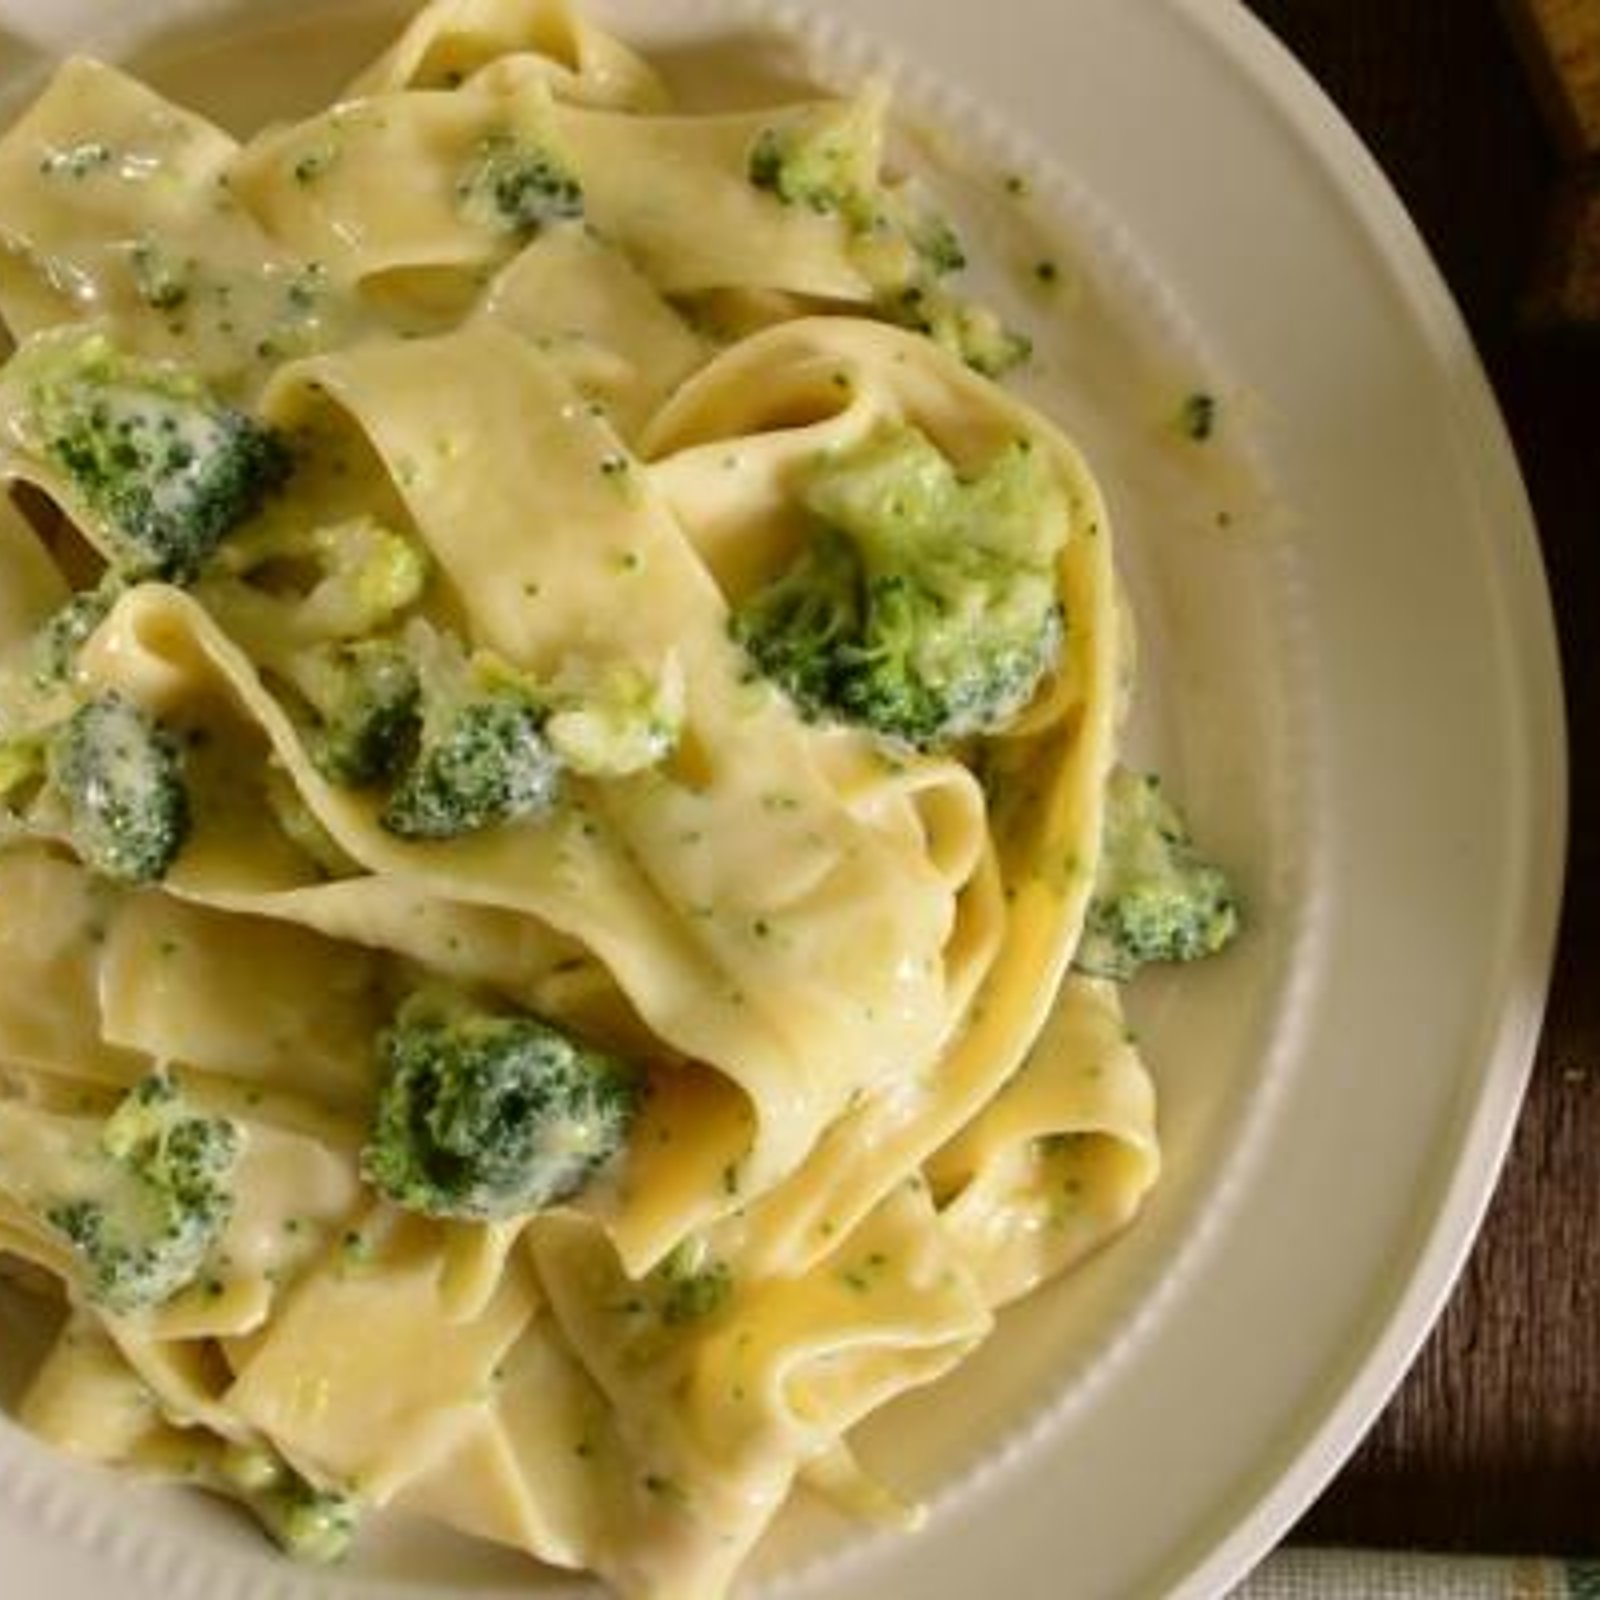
(1354,685)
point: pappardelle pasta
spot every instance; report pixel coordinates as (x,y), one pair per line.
(563,870)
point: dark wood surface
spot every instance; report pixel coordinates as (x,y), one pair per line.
(1493,1444)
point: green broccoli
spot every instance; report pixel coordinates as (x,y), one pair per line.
(903,245)
(56,645)
(481,757)
(516,185)
(346,580)
(308,603)
(804,630)
(615,721)
(926,606)
(486,764)
(119,775)
(162,282)
(167,468)
(1154,898)
(317,1526)
(156,1198)
(692,1287)
(365,699)
(937,244)
(1198,416)
(969,331)
(313,1525)
(827,163)
(487,1114)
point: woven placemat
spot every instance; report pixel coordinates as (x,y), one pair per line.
(1400,1575)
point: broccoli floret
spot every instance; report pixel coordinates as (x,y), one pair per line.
(344,581)
(366,699)
(120,776)
(1198,416)
(486,1114)
(56,645)
(937,244)
(518,186)
(158,1198)
(691,1289)
(1154,898)
(307,602)
(160,281)
(804,630)
(926,607)
(827,163)
(488,763)
(313,1525)
(481,758)
(969,331)
(903,246)
(167,468)
(615,721)
(317,1526)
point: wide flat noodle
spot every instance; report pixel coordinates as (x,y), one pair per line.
(876,1106)
(376,1413)
(375,187)
(469,944)
(601,321)
(55,921)
(1061,1159)
(31,588)
(86,1399)
(29,1250)
(450,42)
(838,992)
(184,984)
(564,876)
(710,1422)
(696,1125)
(296,1187)
(117,211)
(726,453)
(539,1468)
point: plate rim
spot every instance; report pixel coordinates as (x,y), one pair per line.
(1227,1537)
(1315,1450)
(1320,1448)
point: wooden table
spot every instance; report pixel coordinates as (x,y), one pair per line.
(1493,1443)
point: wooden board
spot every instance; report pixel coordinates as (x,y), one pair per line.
(1493,1444)
(1561,41)
(1566,290)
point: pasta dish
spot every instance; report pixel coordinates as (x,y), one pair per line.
(564,874)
